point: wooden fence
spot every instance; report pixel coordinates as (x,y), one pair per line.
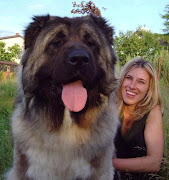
(7,69)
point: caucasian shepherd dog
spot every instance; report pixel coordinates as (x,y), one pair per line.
(65,119)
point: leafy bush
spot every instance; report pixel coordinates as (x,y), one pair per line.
(139,43)
(147,45)
(10,53)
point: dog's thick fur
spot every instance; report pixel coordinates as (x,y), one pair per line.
(51,142)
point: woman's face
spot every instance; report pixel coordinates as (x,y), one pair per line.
(135,86)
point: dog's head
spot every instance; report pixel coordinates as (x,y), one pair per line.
(62,51)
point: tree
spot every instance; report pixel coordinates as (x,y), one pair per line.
(15,51)
(139,43)
(86,8)
(10,53)
(166,19)
(2,51)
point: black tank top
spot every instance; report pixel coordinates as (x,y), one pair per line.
(132,145)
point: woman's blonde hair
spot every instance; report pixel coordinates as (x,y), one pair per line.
(152,97)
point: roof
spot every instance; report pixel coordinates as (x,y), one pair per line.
(9,37)
(9,63)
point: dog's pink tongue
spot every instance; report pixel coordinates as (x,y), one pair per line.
(74,96)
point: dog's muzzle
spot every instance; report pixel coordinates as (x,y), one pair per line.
(78,59)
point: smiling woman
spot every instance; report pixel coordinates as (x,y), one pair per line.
(139,141)
(134,89)
(135,86)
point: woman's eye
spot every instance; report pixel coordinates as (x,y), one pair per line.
(128,77)
(141,82)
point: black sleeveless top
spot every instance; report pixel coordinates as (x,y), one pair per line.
(132,145)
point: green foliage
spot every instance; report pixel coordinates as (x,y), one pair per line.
(2,51)
(10,53)
(15,51)
(164,55)
(139,43)
(166,19)
(164,40)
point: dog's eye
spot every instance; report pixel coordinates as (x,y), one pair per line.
(56,44)
(89,40)
(58,41)
(91,43)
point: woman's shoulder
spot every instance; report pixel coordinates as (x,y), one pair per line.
(155,110)
(155,114)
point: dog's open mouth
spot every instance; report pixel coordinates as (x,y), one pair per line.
(74,96)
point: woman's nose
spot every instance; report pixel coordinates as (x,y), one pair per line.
(132,84)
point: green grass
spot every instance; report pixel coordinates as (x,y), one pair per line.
(165,98)
(164,172)
(7,97)
(7,94)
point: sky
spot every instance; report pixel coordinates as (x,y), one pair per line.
(123,15)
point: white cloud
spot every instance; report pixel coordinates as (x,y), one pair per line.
(4,33)
(36,6)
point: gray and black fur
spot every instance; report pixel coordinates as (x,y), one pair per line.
(51,142)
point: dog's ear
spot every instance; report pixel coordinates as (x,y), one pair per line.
(103,24)
(34,28)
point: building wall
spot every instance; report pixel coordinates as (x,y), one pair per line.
(16,40)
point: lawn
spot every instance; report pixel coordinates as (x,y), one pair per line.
(7,94)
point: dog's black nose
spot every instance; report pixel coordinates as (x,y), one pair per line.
(78,58)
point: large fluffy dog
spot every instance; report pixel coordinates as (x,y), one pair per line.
(65,120)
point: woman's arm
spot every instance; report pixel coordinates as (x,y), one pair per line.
(155,144)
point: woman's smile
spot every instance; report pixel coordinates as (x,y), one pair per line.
(130,93)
